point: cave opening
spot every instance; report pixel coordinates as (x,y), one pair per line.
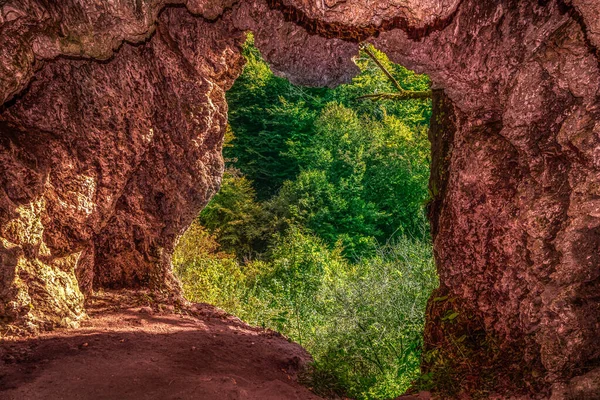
(110,144)
(319,229)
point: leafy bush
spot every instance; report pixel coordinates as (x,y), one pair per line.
(238,223)
(377,313)
(265,112)
(361,322)
(208,276)
(361,180)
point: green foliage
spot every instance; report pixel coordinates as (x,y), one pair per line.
(378,306)
(208,276)
(316,182)
(236,220)
(362,322)
(398,175)
(284,293)
(322,207)
(361,180)
(274,120)
(265,112)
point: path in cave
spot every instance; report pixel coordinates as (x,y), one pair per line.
(129,351)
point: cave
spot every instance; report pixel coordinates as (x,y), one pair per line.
(111,134)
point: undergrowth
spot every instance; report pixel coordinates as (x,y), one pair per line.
(362,322)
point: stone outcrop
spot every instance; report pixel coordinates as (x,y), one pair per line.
(518,225)
(114,112)
(104,165)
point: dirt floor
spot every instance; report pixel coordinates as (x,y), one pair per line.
(131,351)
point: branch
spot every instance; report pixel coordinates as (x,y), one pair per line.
(404,95)
(387,73)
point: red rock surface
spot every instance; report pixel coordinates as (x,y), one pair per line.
(104,165)
(114,112)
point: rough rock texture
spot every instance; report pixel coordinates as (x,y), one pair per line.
(110,148)
(33,31)
(104,165)
(362,15)
(518,226)
(293,52)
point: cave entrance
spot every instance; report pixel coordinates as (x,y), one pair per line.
(319,230)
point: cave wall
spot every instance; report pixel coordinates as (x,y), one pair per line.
(113,116)
(517,228)
(105,164)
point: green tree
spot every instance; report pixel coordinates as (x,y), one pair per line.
(265,113)
(235,219)
(328,195)
(361,180)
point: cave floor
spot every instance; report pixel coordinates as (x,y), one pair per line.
(137,352)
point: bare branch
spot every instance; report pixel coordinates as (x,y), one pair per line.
(405,95)
(402,94)
(387,73)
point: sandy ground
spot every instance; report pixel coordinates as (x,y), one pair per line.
(137,352)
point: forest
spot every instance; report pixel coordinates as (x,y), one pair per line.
(319,230)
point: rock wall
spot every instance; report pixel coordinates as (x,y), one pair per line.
(113,116)
(517,238)
(105,164)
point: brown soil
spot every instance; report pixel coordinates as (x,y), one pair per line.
(130,351)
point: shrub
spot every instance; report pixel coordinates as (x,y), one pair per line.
(362,322)
(238,223)
(208,276)
(377,311)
